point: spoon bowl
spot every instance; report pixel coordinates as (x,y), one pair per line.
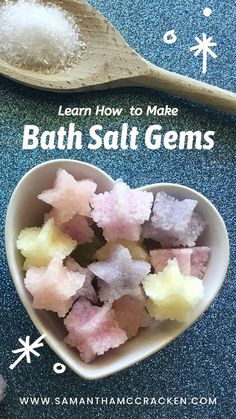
(26,210)
(108,62)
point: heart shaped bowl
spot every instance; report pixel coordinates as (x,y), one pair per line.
(26,210)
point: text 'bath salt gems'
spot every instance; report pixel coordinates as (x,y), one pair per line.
(204,46)
(27,349)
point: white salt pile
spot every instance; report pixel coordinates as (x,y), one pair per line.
(38,36)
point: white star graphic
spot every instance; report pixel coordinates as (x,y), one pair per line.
(26,350)
(203,45)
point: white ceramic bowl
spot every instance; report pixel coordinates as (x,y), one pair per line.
(26,210)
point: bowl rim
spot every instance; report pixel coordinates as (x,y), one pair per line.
(100,373)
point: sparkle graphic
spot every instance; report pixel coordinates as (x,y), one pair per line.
(59,368)
(207,12)
(204,45)
(170,37)
(26,350)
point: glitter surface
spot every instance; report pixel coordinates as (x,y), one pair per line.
(201,361)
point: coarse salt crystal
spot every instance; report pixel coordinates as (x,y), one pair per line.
(38,36)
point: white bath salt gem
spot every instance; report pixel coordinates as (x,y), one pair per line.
(207,12)
(170,37)
(59,368)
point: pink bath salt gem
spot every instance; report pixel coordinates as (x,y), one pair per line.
(192,262)
(87,289)
(93,330)
(78,229)
(53,287)
(69,197)
(160,258)
(121,274)
(199,260)
(121,212)
(131,314)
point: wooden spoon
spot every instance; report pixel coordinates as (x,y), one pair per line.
(109,61)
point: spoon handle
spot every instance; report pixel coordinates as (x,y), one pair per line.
(187,88)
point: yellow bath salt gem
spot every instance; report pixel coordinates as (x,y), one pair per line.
(105,251)
(136,250)
(39,245)
(172,295)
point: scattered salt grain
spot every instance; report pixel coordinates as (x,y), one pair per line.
(38,36)
(119,275)
(3,387)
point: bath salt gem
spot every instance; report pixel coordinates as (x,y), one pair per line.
(119,275)
(78,229)
(39,245)
(111,292)
(173,222)
(171,214)
(93,330)
(38,36)
(121,212)
(136,250)
(69,197)
(53,287)
(192,261)
(160,258)
(172,295)
(199,261)
(131,315)
(87,290)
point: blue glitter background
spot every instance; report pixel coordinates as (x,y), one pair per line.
(201,361)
